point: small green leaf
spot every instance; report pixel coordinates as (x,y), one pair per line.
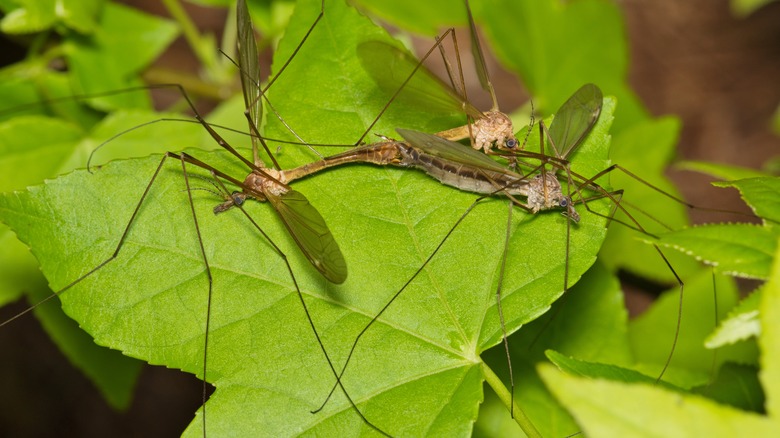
(545,43)
(653,332)
(645,149)
(17,268)
(422,17)
(589,322)
(607,408)
(222,3)
(772,165)
(598,370)
(24,19)
(736,385)
(39,15)
(770,339)
(26,87)
(719,170)
(740,250)
(743,8)
(741,323)
(126,42)
(27,159)
(761,194)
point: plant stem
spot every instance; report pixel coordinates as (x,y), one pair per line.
(193,84)
(503,393)
(190,31)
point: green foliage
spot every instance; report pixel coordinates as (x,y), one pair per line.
(609,408)
(719,170)
(743,8)
(660,412)
(47,140)
(741,250)
(761,195)
(35,16)
(741,323)
(419,369)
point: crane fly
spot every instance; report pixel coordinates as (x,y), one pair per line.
(304,224)
(359,303)
(469,170)
(404,77)
(579,115)
(532,243)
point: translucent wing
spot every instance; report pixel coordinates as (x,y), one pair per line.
(250,71)
(312,235)
(575,118)
(479,59)
(390,66)
(451,151)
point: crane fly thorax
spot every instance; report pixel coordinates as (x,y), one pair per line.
(545,193)
(393,152)
(265,181)
(257,185)
(495,128)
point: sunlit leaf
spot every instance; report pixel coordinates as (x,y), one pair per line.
(770,339)
(588,323)
(607,408)
(652,333)
(719,170)
(741,250)
(741,323)
(761,194)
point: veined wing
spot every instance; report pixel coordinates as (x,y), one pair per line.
(250,71)
(390,66)
(575,118)
(312,235)
(479,59)
(451,151)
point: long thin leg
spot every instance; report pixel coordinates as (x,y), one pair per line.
(211,286)
(501,310)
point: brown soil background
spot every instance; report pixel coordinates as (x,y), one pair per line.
(719,73)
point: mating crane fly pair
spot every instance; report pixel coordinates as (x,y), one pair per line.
(452,164)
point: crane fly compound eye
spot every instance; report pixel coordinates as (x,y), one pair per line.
(237,199)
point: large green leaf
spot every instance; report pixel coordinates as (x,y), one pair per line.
(555,47)
(39,15)
(607,408)
(415,372)
(588,323)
